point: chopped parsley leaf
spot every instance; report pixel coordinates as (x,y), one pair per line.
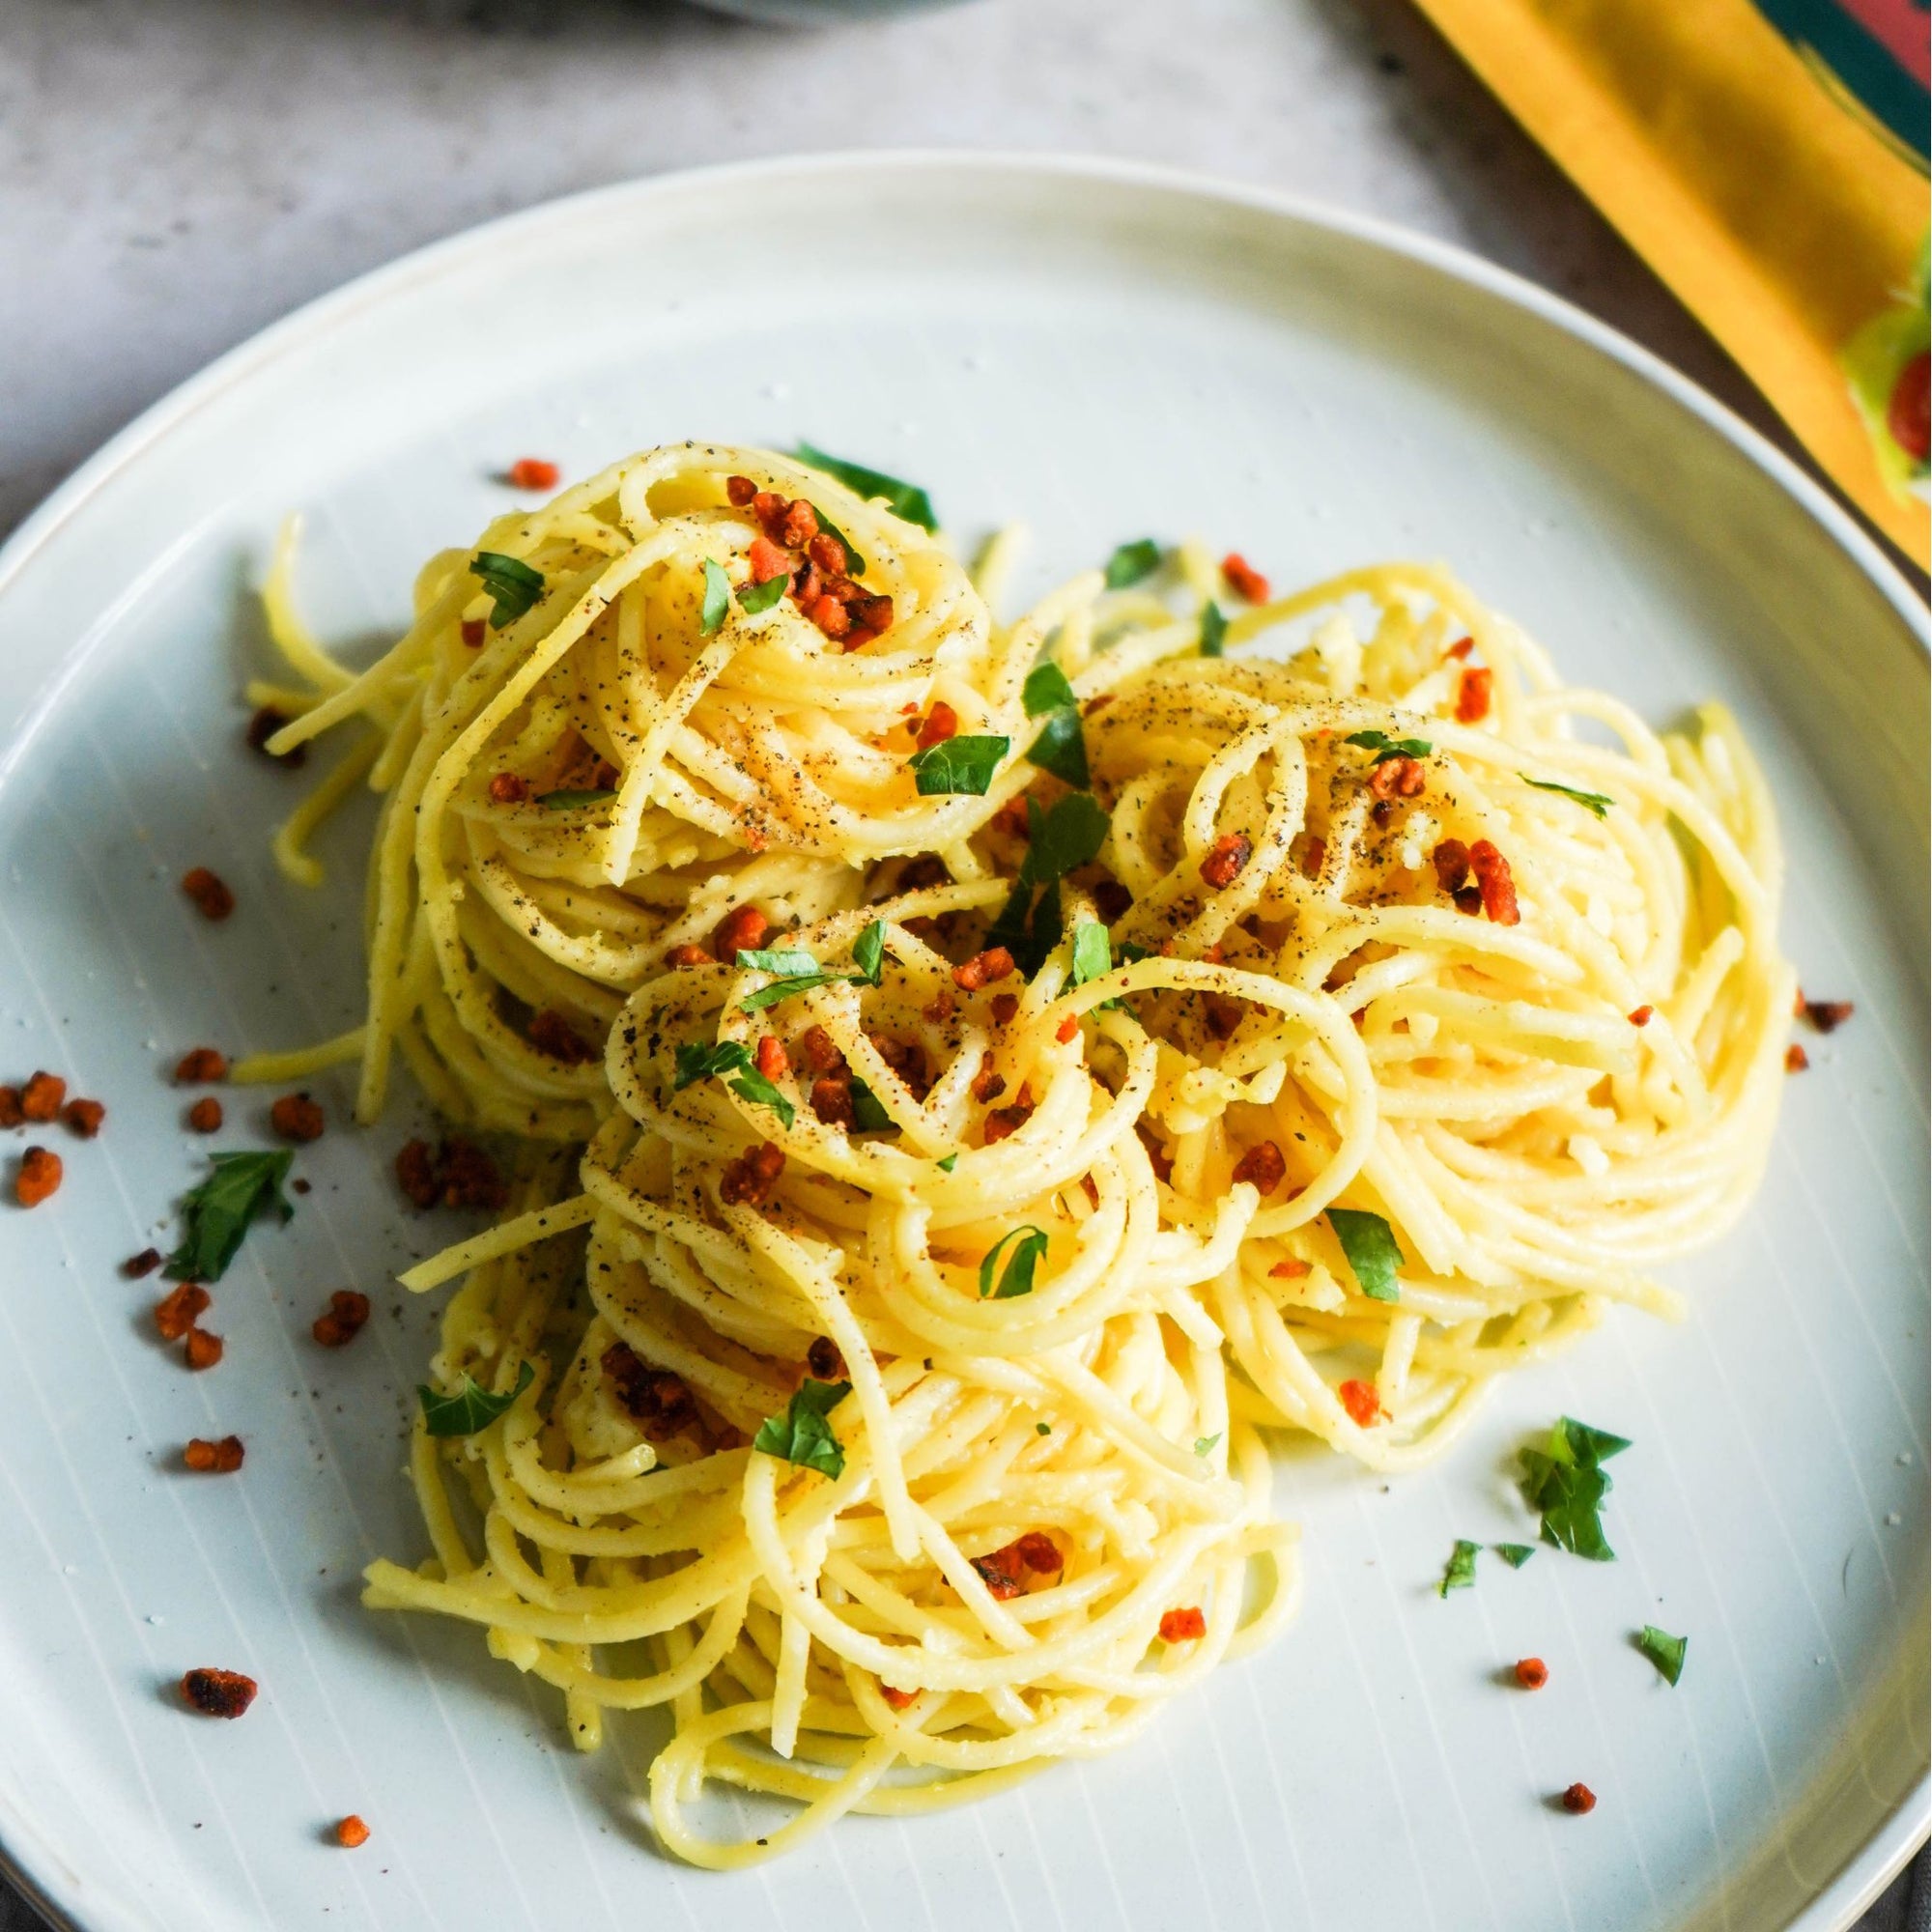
(1369,1244)
(1061,747)
(1213,630)
(717,599)
(1461,1571)
(1016,1278)
(869,953)
(1593,801)
(219,1210)
(1043,1429)
(1091,955)
(786,961)
(1386,748)
(868,1114)
(1665,1651)
(1515,1554)
(1131,563)
(510,582)
(697,1061)
(947,1163)
(958,767)
(803,1433)
(471,1408)
(1566,1485)
(756,597)
(1203,1446)
(904,501)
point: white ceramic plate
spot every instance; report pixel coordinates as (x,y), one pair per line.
(1099,352)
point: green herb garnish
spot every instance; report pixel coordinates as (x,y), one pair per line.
(1592,801)
(1386,748)
(1665,1651)
(1213,629)
(570,800)
(1566,1485)
(1368,1242)
(1203,1446)
(958,767)
(1061,747)
(947,1163)
(903,500)
(786,961)
(1515,1554)
(1131,563)
(510,582)
(698,1062)
(717,598)
(471,1408)
(1043,1429)
(802,1435)
(1016,1278)
(756,597)
(868,1113)
(1060,841)
(1091,955)
(219,1210)
(798,971)
(1461,1572)
(869,953)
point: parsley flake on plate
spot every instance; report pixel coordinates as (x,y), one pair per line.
(1213,630)
(471,1408)
(1665,1651)
(219,1210)
(1132,561)
(1460,1573)
(1566,1484)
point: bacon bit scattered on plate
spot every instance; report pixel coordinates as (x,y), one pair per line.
(532,473)
(213,1458)
(205,1116)
(83,1118)
(203,1349)
(1795,1058)
(143,1264)
(179,1310)
(39,1176)
(1532,1673)
(297,1118)
(218,1694)
(201,1067)
(1244,578)
(1580,1798)
(351,1831)
(210,895)
(348,1311)
(42,1097)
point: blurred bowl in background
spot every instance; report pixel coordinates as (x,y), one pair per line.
(819,13)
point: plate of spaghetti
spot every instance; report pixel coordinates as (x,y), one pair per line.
(1076,1083)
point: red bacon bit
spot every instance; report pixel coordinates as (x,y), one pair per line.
(205,1116)
(1186,1626)
(1461,649)
(204,1349)
(770,1058)
(688,954)
(987,1085)
(1244,578)
(351,1832)
(983,969)
(898,1699)
(1262,1167)
(218,1694)
(1641,1016)
(1225,862)
(136,1267)
(939,1008)
(1796,1061)
(1099,701)
(507,789)
(474,631)
(1361,1401)
(297,1118)
(1532,1673)
(829,554)
(742,929)
(262,727)
(874,614)
(825,1359)
(831,1101)
(749,1180)
(457,1175)
(1005,1571)
(1908,414)
(1472,695)
(1397,777)
(657,1401)
(740,491)
(1005,1120)
(829,615)
(532,473)
(1068,1029)
(907,1060)
(799,525)
(211,897)
(1294,1268)
(41,1099)
(1039,1552)
(819,1051)
(1826,1016)
(176,1313)
(83,1118)
(347,1312)
(551,1034)
(213,1458)
(39,1176)
(939,724)
(1004,1006)
(767,561)
(1494,883)
(201,1067)
(1580,1798)
(12,1113)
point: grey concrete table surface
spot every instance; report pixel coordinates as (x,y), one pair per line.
(176,172)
